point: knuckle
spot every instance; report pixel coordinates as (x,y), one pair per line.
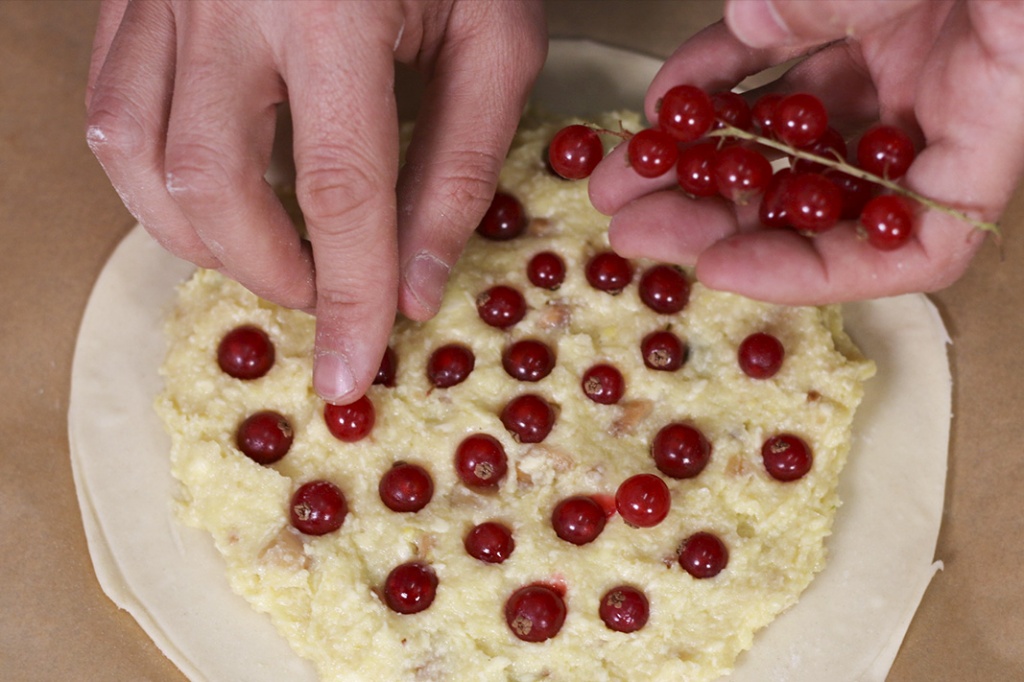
(196,172)
(115,129)
(328,192)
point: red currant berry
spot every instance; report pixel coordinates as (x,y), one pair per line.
(528,360)
(763,113)
(410,588)
(663,351)
(575,152)
(535,613)
(264,437)
(887,222)
(480,461)
(741,173)
(856,192)
(695,169)
(406,487)
(772,209)
(886,151)
(624,609)
(652,152)
(603,384)
(529,418)
(388,368)
(799,119)
(351,422)
(830,146)
(813,203)
(318,508)
(608,271)
(449,365)
(680,450)
(686,113)
(546,270)
(245,353)
(703,555)
(760,355)
(504,219)
(501,306)
(578,519)
(786,457)
(731,108)
(643,500)
(490,542)
(664,289)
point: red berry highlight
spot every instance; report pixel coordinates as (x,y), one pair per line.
(546,270)
(578,519)
(406,487)
(529,418)
(575,151)
(887,222)
(624,609)
(318,508)
(799,119)
(786,457)
(886,151)
(652,152)
(663,351)
(480,461)
(528,360)
(603,384)
(490,542)
(410,588)
(501,306)
(643,500)
(703,555)
(352,422)
(686,113)
(264,437)
(450,365)
(664,289)
(609,272)
(535,613)
(246,353)
(680,450)
(760,355)
(504,219)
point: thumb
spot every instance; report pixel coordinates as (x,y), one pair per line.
(776,23)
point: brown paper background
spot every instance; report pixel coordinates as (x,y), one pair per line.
(60,220)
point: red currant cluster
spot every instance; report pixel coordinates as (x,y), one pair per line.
(713,144)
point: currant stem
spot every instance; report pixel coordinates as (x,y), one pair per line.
(838,164)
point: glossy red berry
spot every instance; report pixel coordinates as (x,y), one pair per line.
(504,219)
(763,113)
(490,542)
(535,613)
(546,270)
(885,151)
(813,203)
(480,461)
(887,222)
(608,271)
(760,355)
(578,519)
(731,108)
(528,360)
(603,384)
(388,368)
(695,169)
(410,588)
(686,113)
(575,151)
(741,173)
(786,457)
(830,145)
(799,119)
(856,193)
(652,152)
(318,508)
(264,437)
(245,352)
(664,289)
(352,422)
(624,609)
(703,555)
(406,487)
(501,306)
(680,450)
(772,209)
(663,351)
(643,500)
(449,365)
(529,418)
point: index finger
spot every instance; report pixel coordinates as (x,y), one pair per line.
(346,156)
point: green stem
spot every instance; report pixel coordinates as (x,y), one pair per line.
(838,164)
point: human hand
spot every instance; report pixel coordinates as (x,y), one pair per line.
(182,101)
(949,72)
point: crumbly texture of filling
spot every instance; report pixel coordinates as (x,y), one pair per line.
(324,593)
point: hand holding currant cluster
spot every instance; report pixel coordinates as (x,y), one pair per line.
(930,71)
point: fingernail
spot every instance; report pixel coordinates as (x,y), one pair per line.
(757,23)
(332,377)
(425,277)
